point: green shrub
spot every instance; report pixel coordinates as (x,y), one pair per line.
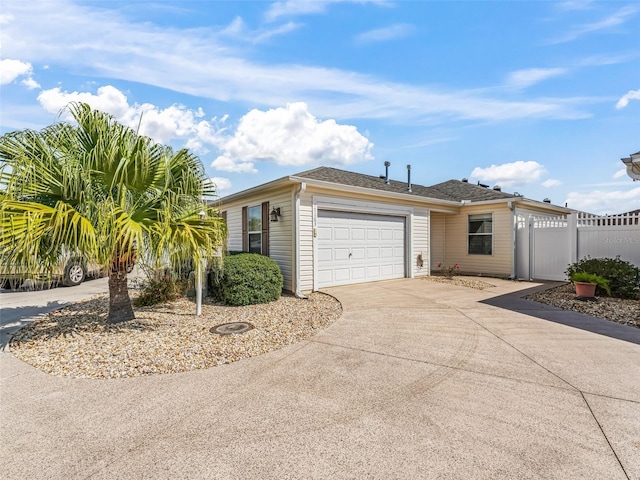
(161,289)
(247,279)
(624,277)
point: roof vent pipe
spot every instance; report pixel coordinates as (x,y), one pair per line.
(409,178)
(546,200)
(386,172)
(482,184)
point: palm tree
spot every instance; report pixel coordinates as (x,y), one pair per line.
(97,189)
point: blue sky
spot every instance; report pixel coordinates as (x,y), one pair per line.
(542,97)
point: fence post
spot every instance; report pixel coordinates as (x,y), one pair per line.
(572,226)
(530,234)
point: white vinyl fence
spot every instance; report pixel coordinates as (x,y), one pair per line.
(545,246)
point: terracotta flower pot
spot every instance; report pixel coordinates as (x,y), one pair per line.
(585,289)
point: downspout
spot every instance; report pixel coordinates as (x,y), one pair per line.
(296,228)
(514,243)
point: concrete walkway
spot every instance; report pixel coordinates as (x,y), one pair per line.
(416,380)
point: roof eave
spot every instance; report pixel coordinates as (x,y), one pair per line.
(521,201)
(544,206)
(280,182)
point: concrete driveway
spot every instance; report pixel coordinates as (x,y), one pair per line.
(416,380)
(18,308)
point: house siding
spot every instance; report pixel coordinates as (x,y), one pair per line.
(457,230)
(306,242)
(280,232)
(420,243)
(438,244)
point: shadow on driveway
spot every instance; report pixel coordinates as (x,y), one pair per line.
(515,302)
(13,319)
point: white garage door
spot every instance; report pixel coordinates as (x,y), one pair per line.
(357,248)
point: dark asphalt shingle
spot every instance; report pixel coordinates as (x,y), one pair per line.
(452,190)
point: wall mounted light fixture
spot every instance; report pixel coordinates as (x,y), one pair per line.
(275,214)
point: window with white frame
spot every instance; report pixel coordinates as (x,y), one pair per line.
(254,228)
(481,234)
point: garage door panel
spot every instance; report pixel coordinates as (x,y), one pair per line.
(325,277)
(357,234)
(325,254)
(386,252)
(340,254)
(340,274)
(389,270)
(386,234)
(340,233)
(356,248)
(374,271)
(358,273)
(324,233)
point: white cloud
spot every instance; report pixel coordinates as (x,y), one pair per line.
(531,76)
(618,18)
(308,7)
(569,5)
(605,202)
(238,30)
(30,83)
(10,70)
(221,183)
(605,59)
(291,136)
(510,174)
(551,182)
(175,122)
(630,95)
(620,173)
(108,99)
(399,30)
(295,8)
(5,18)
(102,43)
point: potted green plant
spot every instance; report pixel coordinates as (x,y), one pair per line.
(586,284)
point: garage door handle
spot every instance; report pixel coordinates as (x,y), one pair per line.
(349,255)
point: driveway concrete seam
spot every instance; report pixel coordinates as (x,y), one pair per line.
(605,436)
(582,394)
(610,397)
(424,362)
(519,351)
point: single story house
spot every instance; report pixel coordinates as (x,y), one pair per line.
(327,227)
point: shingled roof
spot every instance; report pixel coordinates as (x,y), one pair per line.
(452,190)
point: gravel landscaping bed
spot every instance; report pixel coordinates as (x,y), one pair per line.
(617,310)
(77,342)
(460,281)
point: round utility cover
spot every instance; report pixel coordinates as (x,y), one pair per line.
(229,328)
